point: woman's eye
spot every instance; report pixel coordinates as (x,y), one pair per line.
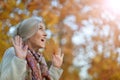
(40,28)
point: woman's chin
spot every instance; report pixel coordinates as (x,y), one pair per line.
(42,46)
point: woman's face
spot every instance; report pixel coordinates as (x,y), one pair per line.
(38,40)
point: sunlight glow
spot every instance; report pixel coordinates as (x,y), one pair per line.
(115,5)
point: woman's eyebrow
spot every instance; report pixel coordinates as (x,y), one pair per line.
(43,26)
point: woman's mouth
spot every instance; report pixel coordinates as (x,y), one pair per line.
(43,40)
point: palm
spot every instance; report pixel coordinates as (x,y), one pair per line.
(58,59)
(20,50)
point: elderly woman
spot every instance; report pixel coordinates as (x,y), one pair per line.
(23,61)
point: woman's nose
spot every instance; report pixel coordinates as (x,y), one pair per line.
(45,34)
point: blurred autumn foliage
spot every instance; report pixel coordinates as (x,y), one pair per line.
(86,30)
(14,11)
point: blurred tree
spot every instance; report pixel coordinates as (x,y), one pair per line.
(105,68)
(99,46)
(83,28)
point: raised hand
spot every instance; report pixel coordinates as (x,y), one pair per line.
(57,59)
(20,49)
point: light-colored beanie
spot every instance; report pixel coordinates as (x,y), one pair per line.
(27,28)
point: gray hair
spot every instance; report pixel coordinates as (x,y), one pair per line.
(27,28)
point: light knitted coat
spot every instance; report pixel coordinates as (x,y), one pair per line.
(14,68)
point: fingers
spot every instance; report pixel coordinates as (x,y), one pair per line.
(62,55)
(58,56)
(59,51)
(20,41)
(25,47)
(13,42)
(17,41)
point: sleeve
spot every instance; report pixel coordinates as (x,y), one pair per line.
(12,67)
(0,68)
(55,73)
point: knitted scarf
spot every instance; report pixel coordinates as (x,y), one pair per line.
(38,72)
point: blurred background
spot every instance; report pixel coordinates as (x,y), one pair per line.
(86,30)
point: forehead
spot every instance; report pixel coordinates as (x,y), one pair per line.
(41,24)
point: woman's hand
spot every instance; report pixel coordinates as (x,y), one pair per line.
(57,59)
(20,49)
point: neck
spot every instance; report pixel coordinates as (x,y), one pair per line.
(32,47)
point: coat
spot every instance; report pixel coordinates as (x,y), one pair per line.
(14,68)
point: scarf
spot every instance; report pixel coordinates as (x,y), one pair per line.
(39,72)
